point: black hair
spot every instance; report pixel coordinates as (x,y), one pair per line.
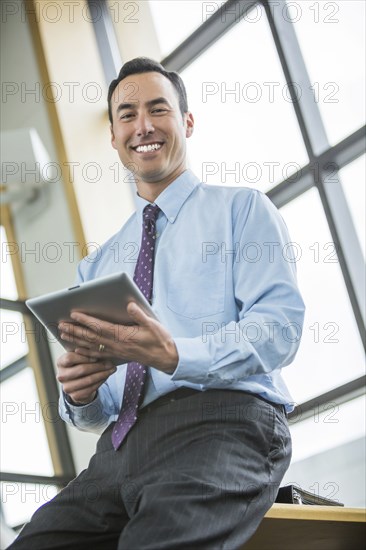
(145,65)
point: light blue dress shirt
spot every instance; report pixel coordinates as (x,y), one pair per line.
(224,287)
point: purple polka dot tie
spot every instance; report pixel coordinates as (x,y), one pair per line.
(136,373)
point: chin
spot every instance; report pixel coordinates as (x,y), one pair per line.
(151,177)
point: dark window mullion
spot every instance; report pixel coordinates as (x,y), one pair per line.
(295,71)
(106,38)
(219,23)
(14,368)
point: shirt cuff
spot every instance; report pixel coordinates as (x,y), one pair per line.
(71,402)
(194,361)
(90,413)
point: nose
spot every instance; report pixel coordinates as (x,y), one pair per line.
(144,125)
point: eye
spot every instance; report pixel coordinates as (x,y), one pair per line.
(159,110)
(126,116)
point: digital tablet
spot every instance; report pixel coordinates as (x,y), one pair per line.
(105,298)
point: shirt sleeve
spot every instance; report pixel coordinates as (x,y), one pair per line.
(266,332)
(93,417)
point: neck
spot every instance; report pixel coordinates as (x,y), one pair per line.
(151,190)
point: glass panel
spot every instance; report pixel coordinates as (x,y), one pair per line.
(246,131)
(330,352)
(329,452)
(331,425)
(332,39)
(353,177)
(175,21)
(24,446)
(20,500)
(7,280)
(13,337)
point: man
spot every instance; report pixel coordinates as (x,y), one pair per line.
(195,438)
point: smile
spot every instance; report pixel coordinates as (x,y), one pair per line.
(148,148)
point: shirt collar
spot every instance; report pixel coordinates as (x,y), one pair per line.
(171,200)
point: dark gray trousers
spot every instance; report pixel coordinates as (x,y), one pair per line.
(198,470)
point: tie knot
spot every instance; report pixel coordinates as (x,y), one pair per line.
(151,212)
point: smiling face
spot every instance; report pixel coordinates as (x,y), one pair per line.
(149,131)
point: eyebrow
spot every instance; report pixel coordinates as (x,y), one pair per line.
(151,103)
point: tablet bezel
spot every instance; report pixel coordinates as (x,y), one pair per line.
(105,298)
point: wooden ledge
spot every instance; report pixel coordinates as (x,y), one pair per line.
(316,513)
(300,527)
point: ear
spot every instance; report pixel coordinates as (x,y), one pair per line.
(189,123)
(113,139)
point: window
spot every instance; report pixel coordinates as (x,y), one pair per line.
(353,177)
(13,339)
(21,500)
(330,425)
(24,446)
(246,126)
(13,343)
(8,287)
(232,131)
(26,420)
(330,352)
(329,452)
(332,39)
(175,21)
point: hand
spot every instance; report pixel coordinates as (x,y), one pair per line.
(81,376)
(146,342)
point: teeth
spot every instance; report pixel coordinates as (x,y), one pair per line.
(147,148)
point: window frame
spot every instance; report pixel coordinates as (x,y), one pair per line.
(323,158)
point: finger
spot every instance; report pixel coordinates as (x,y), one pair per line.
(87,353)
(92,330)
(108,356)
(95,354)
(138,314)
(90,333)
(93,347)
(83,370)
(87,382)
(90,354)
(80,342)
(71,358)
(78,389)
(68,337)
(102,328)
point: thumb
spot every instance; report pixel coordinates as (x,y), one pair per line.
(137,314)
